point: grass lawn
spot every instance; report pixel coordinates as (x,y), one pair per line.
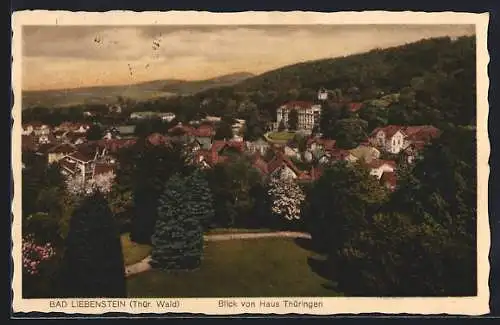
(251,268)
(132,252)
(218,231)
(281,136)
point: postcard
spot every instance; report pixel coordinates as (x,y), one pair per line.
(250,163)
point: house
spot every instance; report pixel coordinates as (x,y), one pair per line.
(46,138)
(210,118)
(390,138)
(308,114)
(291,150)
(389,180)
(182,133)
(203,135)
(75,138)
(120,132)
(59,151)
(260,145)
(282,167)
(36,128)
(78,163)
(166,116)
(378,167)
(81,128)
(323,94)
(395,138)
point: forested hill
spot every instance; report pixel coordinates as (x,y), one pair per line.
(438,74)
(388,69)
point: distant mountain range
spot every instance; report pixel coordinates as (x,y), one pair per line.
(137,92)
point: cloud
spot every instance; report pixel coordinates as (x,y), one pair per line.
(98,54)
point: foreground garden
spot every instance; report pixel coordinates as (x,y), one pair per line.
(251,268)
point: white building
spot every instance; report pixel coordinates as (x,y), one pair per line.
(308,113)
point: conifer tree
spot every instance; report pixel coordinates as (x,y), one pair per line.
(178,237)
(93,263)
(200,204)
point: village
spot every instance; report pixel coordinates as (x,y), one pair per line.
(94,160)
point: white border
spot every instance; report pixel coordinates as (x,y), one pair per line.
(465,306)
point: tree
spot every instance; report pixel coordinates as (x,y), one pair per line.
(329,116)
(151,167)
(339,202)
(94,133)
(223,131)
(233,185)
(93,263)
(375,117)
(201,204)
(293,120)
(350,132)
(253,127)
(287,198)
(178,237)
(282,126)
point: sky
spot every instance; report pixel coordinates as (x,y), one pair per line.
(60,57)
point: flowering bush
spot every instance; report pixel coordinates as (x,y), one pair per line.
(287,198)
(34,254)
(103,182)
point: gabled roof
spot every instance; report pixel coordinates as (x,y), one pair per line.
(424,133)
(389,130)
(80,156)
(281,160)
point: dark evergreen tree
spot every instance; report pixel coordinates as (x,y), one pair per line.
(200,200)
(93,263)
(223,131)
(178,237)
(293,120)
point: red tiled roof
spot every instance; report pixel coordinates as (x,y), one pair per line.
(389,179)
(354,107)
(298,104)
(423,133)
(328,144)
(279,160)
